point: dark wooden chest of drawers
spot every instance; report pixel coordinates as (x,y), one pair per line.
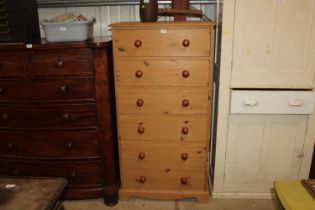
(56,115)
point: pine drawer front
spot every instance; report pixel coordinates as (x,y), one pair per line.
(66,64)
(163,82)
(50,117)
(79,174)
(159,128)
(163,154)
(49,144)
(12,66)
(162,72)
(164,178)
(272,102)
(63,89)
(162,41)
(162,101)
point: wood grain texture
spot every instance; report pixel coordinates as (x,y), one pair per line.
(163,72)
(166,178)
(159,128)
(163,154)
(56,116)
(163,80)
(161,42)
(162,100)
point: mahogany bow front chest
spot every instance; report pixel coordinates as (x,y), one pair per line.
(56,115)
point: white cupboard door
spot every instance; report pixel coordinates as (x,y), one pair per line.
(262,149)
(274,44)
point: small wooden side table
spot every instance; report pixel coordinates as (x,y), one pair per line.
(31,193)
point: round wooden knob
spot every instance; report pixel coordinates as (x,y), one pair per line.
(141,179)
(185,74)
(185,103)
(4,117)
(186,43)
(66,116)
(141,155)
(185,130)
(140,129)
(184,156)
(184,180)
(59,64)
(69,145)
(139,74)
(138,43)
(140,102)
(63,89)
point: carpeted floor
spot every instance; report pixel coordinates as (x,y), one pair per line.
(186,204)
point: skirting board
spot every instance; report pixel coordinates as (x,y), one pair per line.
(244,195)
(201,196)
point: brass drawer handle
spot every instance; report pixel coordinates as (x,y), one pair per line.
(2,91)
(66,116)
(141,155)
(139,74)
(141,179)
(69,146)
(138,43)
(185,130)
(16,173)
(63,89)
(59,64)
(141,129)
(140,102)
(10,145)
(185,73)
(72,175)
(184,156)
(186,43)
(185,103)
(184,180)
(4,117)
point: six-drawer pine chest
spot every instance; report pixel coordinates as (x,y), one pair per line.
(163,84)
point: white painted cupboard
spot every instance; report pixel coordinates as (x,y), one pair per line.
(274,44)
(261,149)
(266,120)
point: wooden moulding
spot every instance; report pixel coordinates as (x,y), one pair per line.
(309,185)
(201,196)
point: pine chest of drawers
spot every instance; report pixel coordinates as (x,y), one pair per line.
(163,81)
(56,115)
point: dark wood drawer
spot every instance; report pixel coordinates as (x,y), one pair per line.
(77,173)
(67,116)
(49,144)
(12,66)
(66,89)
(65,64)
